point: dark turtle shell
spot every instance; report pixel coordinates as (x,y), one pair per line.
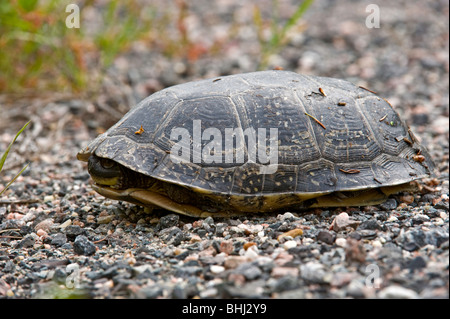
(332,138)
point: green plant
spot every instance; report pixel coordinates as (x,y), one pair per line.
(3,158)
(279,33)
(39,52)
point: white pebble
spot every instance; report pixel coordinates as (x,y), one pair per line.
(252,252)
(341,242)
(48,198)
(392,218)
(290,244)
(65,224)
(285,216)
(377,243)
(397,292)
(216,269)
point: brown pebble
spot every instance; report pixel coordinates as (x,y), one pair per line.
(278,272)
(195,239)
(354,251)
(208,252)
(292,233)
(44,225)
(233,261)
(226,247)
(408,199)
(42,233)
(197,223)
(248,245)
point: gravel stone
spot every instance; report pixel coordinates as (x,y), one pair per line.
(72,231)
(27,242)
(83,246)
(58,239)
(169,220)
(326,237)
(397,292)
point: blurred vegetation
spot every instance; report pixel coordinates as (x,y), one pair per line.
(279,31)
(5,155)
(38,52)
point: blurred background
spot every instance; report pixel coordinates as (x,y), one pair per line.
(73,83)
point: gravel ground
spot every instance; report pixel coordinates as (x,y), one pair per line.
(59,239)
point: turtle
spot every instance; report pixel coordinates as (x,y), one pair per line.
(257,142)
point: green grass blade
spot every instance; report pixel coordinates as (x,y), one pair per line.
(12,181)
(296,16)
(3,159)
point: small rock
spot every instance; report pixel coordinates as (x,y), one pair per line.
(355,289)
(371,224)
(169,220)
(248,245)
(42,233)
(249,271)
(195,239)
(83,246)
(326,237)
(27,242)
(187,271)
(45,225)
(397,292)
(209,221)
(341,242)
(220,228)
(151,292)
(208,293)
(408,199)
(286,216)
(291,233)
(72,231)
(290,244)
(436,236)
(48,198)
(390,204)
(286,283)
(341,279)
(172,235)
(216,269)
(232,262)
(417,263)
(138,270)
(412,239)
(226,247)
(278,272)
(342,221)
(58,239)
(105,219)
(313,272)
(354,251)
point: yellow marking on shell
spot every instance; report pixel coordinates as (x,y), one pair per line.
(201,190)
(106,181)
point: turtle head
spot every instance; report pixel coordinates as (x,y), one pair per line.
(105,171)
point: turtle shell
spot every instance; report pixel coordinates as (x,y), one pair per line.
(214,137)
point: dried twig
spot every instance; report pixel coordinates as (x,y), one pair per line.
(18,201)
(318,122)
